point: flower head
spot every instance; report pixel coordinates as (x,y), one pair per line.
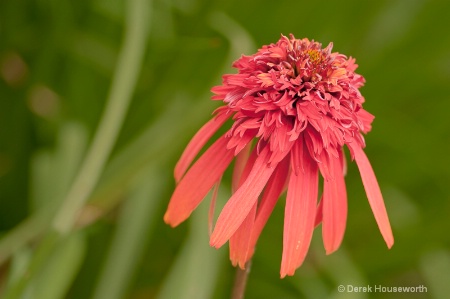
(294,105)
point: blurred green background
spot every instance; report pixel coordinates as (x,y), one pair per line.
(98,99)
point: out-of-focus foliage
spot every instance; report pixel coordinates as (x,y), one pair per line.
(62,63)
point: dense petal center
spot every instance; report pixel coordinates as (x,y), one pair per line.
(291,87)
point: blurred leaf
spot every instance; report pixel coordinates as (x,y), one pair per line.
(196,268)
(131,236)
(19,265)
(403,210)
(52,172)
(54,279)
(28,230)
(435,266)
(240,39)
(93,51)
(111,8)
(50,269)
(152,146)
(392,24)
(341,268)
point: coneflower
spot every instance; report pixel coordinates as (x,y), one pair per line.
(293,106)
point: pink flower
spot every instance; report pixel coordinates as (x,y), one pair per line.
(293,106)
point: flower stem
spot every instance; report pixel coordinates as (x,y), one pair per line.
(240,281)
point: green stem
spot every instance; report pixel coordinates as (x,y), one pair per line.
(123,83)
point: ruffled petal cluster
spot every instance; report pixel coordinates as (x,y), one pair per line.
(293,107)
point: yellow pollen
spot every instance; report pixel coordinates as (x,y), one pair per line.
(315,56)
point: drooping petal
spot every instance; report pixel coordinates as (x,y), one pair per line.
(240,204)
(212,206)
(300,212)
(319,213)
(196,144)
(239,166)
(239,241)
(272,192)
(334,206)
(344,163)
(197,182)
(373,192)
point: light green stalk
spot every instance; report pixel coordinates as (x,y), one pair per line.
(123,83)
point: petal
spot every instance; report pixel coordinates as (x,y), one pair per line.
(197,182)
(239,241)
(239,166)
(334,206)
(196,144)
(373,192)
(272,192)
(212,206)
(324,166)
(300,212)
(240,141)
(240,204)
(319,213)
(344,163)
